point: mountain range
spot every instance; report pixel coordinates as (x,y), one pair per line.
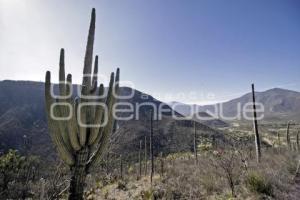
(277,104)
(23,123)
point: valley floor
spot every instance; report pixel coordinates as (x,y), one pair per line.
(217,175)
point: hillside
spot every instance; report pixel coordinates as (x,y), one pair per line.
(23,122)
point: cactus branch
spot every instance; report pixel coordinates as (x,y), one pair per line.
(55,134)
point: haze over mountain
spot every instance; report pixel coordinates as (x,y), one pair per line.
(278,104)
(201,116)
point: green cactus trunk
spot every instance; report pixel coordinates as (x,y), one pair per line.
(80,145)
(79,172)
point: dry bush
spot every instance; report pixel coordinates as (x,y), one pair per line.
(257,183)
(231,173)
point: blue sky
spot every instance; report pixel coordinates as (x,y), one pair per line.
(193,51)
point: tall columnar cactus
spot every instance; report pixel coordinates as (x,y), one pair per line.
(140,159)
(161,163)
(80,140)
(288,139)
(107,163)
(145,156)
(297,141)
(151,146)
(121,167)
(257,139)
(195,143)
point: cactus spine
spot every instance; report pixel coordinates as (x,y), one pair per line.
(257,139)
(79,146)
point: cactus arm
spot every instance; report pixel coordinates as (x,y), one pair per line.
(62,87)
(83,119)
(108,103)
(95,77)
(97,119)
(87,70)
(72,123)
(104,138)
(63,111)
(62,149)
(86,81)
(117,81)
(92,108)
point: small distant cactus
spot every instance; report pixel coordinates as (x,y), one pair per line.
(278,138)
(297,141)
(195,143)
(43,183)
(161,164)
(140,159)
(121,167)
(145,156)
(81,146)
(151,146)
(257,138)
(288,139)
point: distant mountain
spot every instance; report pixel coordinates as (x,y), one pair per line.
(23,123)
(209,120)
(203,117)
(182,108)
(279,104)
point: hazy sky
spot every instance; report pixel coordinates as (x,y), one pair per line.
(184,50)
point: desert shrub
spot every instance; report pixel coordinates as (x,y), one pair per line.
(228,166)
(291,166)
(209,183)
(16,174)
(205,146)
(121,185)
(257,183)
(147,194)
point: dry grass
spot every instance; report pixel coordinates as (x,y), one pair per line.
(229,174)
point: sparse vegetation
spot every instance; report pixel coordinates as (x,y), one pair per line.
(149,158)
